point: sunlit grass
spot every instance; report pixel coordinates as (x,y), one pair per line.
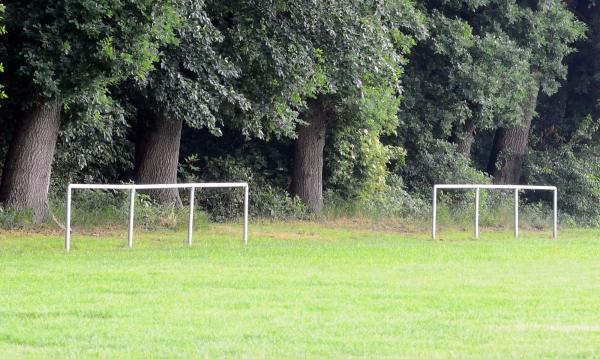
(331,289)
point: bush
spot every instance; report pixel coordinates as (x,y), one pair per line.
(10,220)
(107,208)
(389,201)
(576,175)
(439,163)
(496,211)
(266,199)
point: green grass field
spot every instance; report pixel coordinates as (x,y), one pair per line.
(301,290)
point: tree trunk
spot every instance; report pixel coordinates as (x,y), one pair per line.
(464,138)
(510,144)
(26,175)
(307,181)
(157,155)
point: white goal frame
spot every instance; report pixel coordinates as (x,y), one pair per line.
(516,189)
(133,187)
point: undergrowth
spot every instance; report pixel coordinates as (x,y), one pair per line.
(94,209)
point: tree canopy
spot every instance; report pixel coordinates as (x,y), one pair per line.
(319,103)
(56,53)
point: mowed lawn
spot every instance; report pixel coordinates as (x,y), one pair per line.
(301,290)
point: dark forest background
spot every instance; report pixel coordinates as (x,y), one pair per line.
(319,105)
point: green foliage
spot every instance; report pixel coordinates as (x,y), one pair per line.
(576,174)
(15,220)
(300,49)
(473,73)
(192,79)
(496,211)
(439,163)
(358,162)
(389,201)
(96,208)
(266,200)
(99,210)
(565,112)
(151,216)
(62,49)
(565,134)
(406,83)
(460,73)
(92,144)
(358,74)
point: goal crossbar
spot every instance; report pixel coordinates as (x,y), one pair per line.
(134,187)
(515,188)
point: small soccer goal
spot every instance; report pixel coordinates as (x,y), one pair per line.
(515,188)
(134,187)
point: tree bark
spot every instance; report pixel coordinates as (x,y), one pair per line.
(26,174)
(157,155)
(464,138)
(307,180)
(509,146)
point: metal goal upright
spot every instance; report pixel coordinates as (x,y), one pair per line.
(132,192)
(516,188)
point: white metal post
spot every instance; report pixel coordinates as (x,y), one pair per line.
(434,211)
(516,212)
(191,222)
(131,214)
(555,214)
(479,187)
(246,215)
(68,235)
(133,187)
(477,213)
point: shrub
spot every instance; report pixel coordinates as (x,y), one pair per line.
(108,208)
(576,175)
(438,162)
(10,219)
(266,199)
(389,201)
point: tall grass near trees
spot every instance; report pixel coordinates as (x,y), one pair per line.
(98,209)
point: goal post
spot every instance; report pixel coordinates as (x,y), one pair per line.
(515,188)
(132,192)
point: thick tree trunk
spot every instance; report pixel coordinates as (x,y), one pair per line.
(464,138)
(157,155)
(510,144)
(26,175)
(307,181)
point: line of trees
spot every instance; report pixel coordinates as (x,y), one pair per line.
(359,101)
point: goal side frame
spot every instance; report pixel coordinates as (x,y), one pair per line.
(134,187)
(516,188)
